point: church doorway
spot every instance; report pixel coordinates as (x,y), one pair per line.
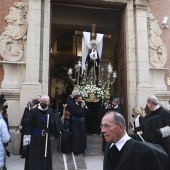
(66,45)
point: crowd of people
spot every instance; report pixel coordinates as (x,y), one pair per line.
(148,135)
(40,121)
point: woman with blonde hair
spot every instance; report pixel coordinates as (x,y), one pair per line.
(139,124)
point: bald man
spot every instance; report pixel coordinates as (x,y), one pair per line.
(124,153)
(36,126)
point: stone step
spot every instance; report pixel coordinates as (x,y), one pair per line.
(94,145)
(66,161)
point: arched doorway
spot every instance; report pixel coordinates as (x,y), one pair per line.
(109,20)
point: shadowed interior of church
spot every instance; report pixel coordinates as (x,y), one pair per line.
(66,51)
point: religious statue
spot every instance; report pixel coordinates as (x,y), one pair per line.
(92,44)
(93,59)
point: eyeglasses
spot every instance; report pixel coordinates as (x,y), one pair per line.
(106,126)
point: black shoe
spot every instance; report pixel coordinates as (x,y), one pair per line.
(4,168)
(22,156)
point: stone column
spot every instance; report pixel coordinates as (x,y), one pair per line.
(130,58)
(46,45)
(32,85)
(144,88)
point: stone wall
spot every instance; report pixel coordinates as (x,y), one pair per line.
(160,9)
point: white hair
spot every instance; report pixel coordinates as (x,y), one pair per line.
(75,92)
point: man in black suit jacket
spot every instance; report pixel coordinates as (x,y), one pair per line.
(115,105)
(157,126)
(130,154)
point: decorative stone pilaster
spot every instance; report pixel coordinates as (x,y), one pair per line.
(13,38)
(12,43)
(144,87)
(157,59)
(38,50)
(12,49)
(32,85)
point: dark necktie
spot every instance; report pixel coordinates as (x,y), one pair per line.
(113,156)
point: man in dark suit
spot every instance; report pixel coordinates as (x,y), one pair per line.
(70,100)
(124,153)
(157,126)
(115,105)
(37,136)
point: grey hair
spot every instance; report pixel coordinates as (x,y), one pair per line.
(115,100)
(38,96)
(153,100)
(74,92)
(117,118)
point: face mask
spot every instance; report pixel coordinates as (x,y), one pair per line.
(79,102)
(133,116)
(43,105)
(6,107)
(37,102)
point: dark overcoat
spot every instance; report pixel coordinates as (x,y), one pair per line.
(23,124)
(139,156)
(78,129)
(156,120)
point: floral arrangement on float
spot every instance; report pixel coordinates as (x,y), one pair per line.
(90,86)
(92,93)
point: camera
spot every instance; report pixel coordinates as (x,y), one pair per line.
(165,20)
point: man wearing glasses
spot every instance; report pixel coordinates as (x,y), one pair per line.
(124,153)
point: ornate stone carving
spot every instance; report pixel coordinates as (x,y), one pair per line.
(157,49)
(12,39)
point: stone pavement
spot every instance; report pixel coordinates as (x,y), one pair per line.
(62,161)
(92,162)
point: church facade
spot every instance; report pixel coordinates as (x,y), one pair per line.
(30,48)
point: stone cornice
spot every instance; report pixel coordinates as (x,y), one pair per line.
(11,62)
(141,4)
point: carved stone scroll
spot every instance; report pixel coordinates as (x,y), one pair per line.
(157,49)
(12,39)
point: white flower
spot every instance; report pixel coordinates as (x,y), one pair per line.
(86,90)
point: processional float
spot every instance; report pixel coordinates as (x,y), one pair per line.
(89,81)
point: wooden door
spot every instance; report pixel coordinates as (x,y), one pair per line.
(122,68)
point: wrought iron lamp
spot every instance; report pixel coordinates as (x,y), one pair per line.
(110,79)
(77,73)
